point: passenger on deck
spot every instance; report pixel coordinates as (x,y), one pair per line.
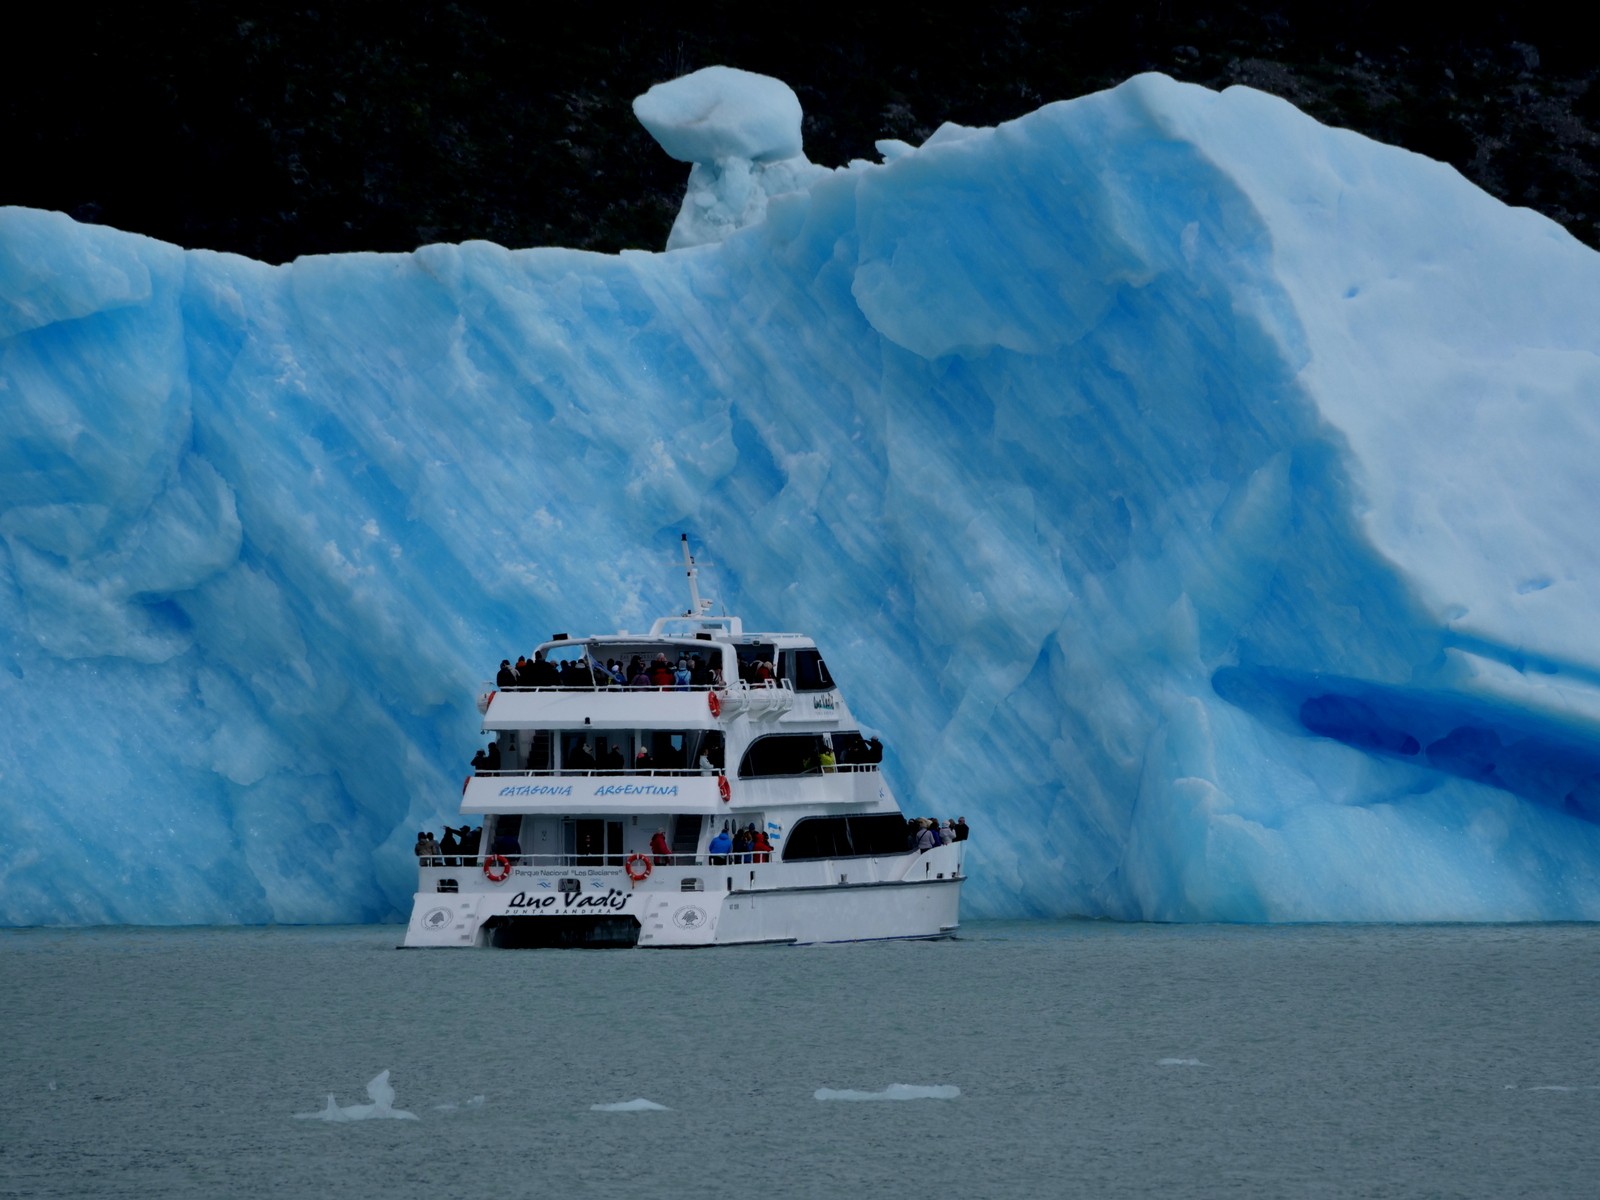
(492,754)
(581,759)
(635,666)
(874,750)
(961,829)
(507,844)
(661,674)
(615,763)
(614,670)
(827,760)
(719,847)
(643,763)
(450,846)
(422,849)
(681,677)
(542,672)
(764,672)
(659,847)
(480,763)
(743,843)
(505,677)
(471,839)
(927,839)
(699,672)
(762,846)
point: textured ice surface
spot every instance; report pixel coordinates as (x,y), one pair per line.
(895,1091)
(1200,500)
(637,1105)
(382,1107)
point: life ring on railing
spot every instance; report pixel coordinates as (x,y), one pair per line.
(724,788)
(638,867)
(497,862)
(714,704)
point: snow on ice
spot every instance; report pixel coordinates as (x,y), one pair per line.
(1200,500)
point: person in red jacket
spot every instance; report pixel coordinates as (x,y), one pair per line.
(659,847)
(762,847)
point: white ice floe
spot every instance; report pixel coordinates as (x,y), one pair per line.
(638,1105)
(895,1091)
(475,1102)
(381,1108)
(1179,1062)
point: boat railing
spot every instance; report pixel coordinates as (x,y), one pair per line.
(606,686)
(649,772)
(739,689)
(476,861)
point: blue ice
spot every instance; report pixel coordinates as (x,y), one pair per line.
(1199,499)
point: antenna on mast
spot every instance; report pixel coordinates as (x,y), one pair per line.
(697,606)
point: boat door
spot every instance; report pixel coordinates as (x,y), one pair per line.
(591,841)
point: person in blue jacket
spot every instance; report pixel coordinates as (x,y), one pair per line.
(719,848)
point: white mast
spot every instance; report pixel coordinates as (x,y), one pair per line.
(697,606)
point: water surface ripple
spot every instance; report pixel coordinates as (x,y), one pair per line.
(1090,1058)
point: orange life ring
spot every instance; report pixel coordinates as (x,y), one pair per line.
(714,704)
(722,786)
(638,867)
(500,862)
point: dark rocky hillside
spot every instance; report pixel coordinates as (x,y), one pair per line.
(276,130)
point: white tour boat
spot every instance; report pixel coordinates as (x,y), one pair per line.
(611,817)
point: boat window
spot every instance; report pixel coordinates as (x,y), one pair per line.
(855,836)
(782,754)
(752,655)
(810,672)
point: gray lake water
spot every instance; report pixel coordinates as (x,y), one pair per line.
(1092,1059)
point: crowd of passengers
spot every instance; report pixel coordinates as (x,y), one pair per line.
(690,671)
(925,833)
(582,761)
(747,845)
(436,852)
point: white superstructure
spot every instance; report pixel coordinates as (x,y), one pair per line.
(597,777)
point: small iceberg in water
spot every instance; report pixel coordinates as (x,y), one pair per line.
(639,1105)
(475,1102)
(1179,1062)
(895,1091)
(381,1108)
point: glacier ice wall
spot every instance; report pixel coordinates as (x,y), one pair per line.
(1199,500)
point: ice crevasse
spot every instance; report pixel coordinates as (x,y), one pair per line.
(1199,500)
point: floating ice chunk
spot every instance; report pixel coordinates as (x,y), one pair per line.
(379,1091)
(1179,1062)
(893,148)
(452,1106)
(638,1105)
(895,1091)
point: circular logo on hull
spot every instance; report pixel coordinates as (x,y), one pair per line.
(436,918)
(689,917)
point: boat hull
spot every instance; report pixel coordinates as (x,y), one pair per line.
(731,905)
